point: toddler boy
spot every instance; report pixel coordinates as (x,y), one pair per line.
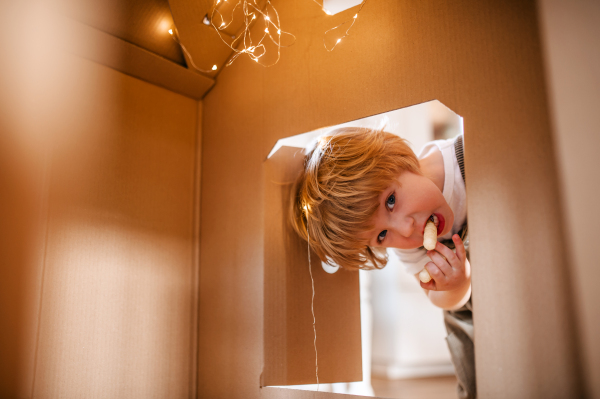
(363,190)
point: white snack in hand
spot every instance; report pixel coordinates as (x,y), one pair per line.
(430,235)
(424,276)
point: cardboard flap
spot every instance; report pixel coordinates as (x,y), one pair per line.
(289,353)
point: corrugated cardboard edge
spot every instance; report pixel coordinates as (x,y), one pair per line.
(195,325)
(289,357)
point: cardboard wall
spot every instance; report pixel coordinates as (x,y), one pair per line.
(22,236)
(117,289)
(99,219)
(570,32)
(483,60)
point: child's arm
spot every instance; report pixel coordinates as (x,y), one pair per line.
(450,287)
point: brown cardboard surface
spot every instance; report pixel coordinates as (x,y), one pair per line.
(125,57)
(24,140)
(481,59)
(118,276)
(116,306)
(143,23)
(201,41)
(96,270)
(288,321)
(22,234)
(571,31)
(194,326)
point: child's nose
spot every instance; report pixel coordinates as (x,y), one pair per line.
(407,227)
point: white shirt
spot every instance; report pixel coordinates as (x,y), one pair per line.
(455,195)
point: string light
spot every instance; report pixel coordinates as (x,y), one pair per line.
(244,42)
(189,56)
(353,19)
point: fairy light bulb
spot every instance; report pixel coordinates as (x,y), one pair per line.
(267,30)
(338,40)
(170,31)
(214,68)
(355,16)
(222,23)
(267,18)
(279,31)
(253,16)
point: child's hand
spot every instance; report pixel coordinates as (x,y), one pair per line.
(448,270)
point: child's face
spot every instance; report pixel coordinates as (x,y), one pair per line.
(404,208)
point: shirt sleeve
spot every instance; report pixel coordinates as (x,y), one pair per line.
(413,259)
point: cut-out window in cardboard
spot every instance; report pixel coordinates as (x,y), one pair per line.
(402,334)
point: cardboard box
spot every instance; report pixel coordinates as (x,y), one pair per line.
(101,255)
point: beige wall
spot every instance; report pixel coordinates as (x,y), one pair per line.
(483,60)
(571,36)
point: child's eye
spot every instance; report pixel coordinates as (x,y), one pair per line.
(381,236)
(390,202)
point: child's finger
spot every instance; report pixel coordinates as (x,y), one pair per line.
(446,252)
(430,285)
(440,262)
(460,247)
(434,271)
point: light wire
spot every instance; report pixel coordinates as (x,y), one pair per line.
(312,307)
(353,19)
(246,46)
(188,54)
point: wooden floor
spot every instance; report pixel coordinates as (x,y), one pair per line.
(417,388)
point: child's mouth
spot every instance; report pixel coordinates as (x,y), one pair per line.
(439,222)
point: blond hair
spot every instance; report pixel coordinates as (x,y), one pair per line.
(338,192)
